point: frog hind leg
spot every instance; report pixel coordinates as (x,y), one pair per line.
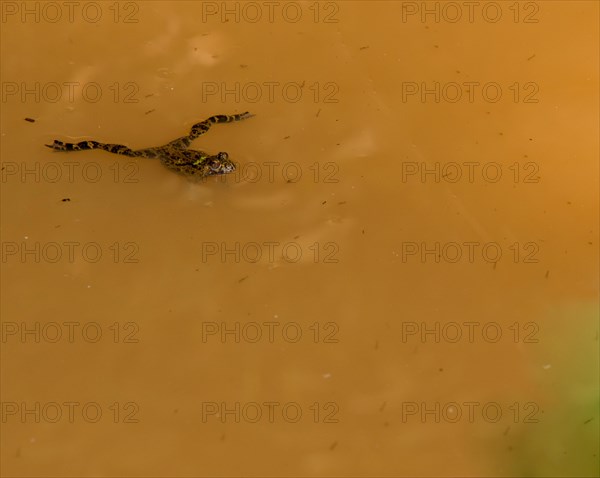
(200,128)
(84,145)
(179,143)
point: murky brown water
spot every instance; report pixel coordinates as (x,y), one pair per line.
(401,279)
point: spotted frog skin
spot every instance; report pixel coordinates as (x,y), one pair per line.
(174,155)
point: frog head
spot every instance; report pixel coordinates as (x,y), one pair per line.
(219,164)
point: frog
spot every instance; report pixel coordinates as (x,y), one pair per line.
(175,155)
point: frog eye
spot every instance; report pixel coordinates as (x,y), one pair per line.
(214,165)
